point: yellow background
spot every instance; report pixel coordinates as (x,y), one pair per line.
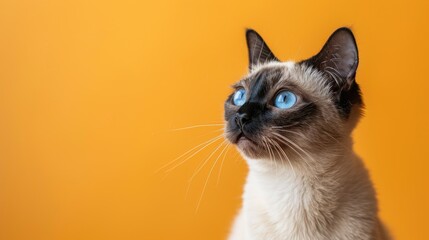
(91,90)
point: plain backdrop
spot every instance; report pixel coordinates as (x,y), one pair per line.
(91,92)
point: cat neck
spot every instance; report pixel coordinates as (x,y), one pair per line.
(298,200)
(294,179)
(308,168)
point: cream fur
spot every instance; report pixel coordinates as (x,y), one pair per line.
(279,203)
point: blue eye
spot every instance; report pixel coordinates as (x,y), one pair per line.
(285,100)
(239,97)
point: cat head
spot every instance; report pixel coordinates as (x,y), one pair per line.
(280,109)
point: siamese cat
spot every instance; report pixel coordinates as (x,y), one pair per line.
(292,123)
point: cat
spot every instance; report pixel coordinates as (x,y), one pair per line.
(292,123)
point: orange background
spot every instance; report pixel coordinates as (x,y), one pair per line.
(91,90)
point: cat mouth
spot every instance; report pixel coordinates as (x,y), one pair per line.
(248,146)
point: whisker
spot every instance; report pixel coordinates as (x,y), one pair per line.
(287,142)
(208,177)
(285,155)
(207,143)
(202,165)
(290,131)
(285,126)
(294,144)
(265,142)
(221,164)
(198,126)
(207,159)
(271,153)
(303,136)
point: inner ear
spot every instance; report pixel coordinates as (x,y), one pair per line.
(258,50)
(338,59)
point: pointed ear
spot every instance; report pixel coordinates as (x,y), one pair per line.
(338,59)
(259,52)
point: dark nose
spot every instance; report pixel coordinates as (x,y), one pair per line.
(241,119)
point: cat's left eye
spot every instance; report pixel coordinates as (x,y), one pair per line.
(285,99)
(239,97)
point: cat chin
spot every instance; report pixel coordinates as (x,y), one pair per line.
(249,148)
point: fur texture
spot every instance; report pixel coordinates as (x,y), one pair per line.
(304,181)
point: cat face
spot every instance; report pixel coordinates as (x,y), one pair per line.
(286,109)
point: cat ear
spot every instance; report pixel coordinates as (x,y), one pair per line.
(258,50)
(338,59)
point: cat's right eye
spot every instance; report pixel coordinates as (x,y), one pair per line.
(285,99)
(239,97)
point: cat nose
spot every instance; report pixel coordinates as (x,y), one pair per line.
(241,119)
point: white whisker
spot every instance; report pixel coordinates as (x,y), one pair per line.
(271,156)
(208,177)
(201,166)
(221,164)
(294,144)
(285,155)
(303,136)
(288,142)
(207,143)
(198,126)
